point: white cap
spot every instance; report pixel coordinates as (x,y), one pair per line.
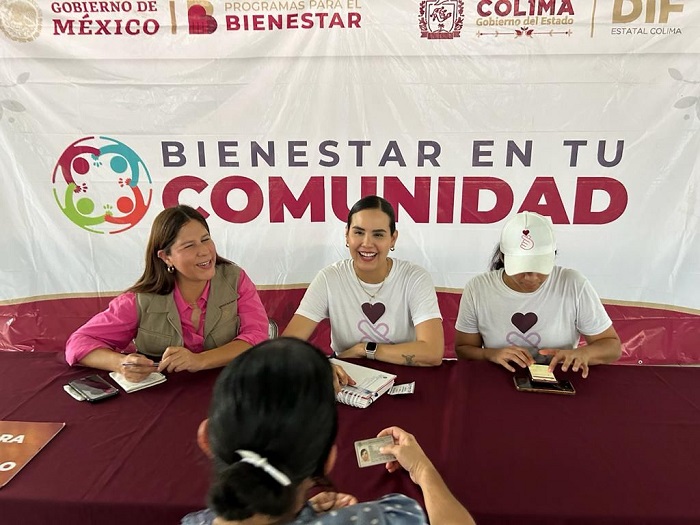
(528,245)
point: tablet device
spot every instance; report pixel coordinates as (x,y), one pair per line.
(93,388)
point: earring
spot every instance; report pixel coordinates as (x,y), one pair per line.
(392,248)
(347,245)
(171,269)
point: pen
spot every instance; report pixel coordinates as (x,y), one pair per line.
(154,365)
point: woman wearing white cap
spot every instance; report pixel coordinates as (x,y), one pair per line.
(528,310)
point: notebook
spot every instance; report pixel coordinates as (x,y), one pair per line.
(20,441)
(155,378)
(369,384)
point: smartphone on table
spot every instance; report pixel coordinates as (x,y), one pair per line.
(93,388)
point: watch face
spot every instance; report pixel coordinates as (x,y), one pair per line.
(371,347)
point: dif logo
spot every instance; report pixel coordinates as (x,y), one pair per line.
(102,185)
(654,11)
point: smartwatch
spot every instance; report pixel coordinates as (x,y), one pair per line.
(370,349)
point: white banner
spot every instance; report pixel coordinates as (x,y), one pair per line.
(274,132)
(180,29)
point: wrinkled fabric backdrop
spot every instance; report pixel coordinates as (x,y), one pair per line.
(274,117)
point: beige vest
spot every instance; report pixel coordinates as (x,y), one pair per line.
(159,321)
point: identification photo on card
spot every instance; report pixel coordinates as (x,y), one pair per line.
(367,451)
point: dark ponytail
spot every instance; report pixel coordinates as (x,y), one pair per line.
(242,490)
(497,259)
(277,401)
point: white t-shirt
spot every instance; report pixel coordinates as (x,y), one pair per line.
(553,316)
(406,298)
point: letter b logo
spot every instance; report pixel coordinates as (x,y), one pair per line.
(199,17)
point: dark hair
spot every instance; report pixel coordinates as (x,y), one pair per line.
(277,400)
(497,261)
(374,202)
(156,278)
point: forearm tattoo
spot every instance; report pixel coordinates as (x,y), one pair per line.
(409,359)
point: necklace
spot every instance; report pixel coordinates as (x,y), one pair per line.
(372,295)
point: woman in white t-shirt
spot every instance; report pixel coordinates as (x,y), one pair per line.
(527,310)
(379,307)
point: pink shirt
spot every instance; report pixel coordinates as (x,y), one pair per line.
(116,327)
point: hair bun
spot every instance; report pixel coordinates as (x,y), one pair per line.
(242,490)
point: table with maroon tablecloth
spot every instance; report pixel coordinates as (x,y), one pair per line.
(625,449)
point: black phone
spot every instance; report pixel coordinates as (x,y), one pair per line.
(525,384)
(93,388)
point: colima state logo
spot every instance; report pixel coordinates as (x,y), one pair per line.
(102,185)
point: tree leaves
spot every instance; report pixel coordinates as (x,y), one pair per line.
(686,102)
(12,105)
(675,74)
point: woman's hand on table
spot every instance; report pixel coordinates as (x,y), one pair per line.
(511,354)
(137,367)
(179,359)
(577,359)
(355,351)
(341,378)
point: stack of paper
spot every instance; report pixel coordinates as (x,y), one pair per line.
(155,378)
(369,384)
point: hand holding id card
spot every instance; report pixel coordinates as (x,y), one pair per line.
(367,451)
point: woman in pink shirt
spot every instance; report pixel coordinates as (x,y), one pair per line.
(190,310)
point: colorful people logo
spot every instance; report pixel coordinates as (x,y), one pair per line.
(98,183)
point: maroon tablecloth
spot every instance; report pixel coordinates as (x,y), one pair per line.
(131,459)
(625,449)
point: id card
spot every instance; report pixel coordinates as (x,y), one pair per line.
(367,451)
(541,374)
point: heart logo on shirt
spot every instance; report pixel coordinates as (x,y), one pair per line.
(373,311)
(524,322)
